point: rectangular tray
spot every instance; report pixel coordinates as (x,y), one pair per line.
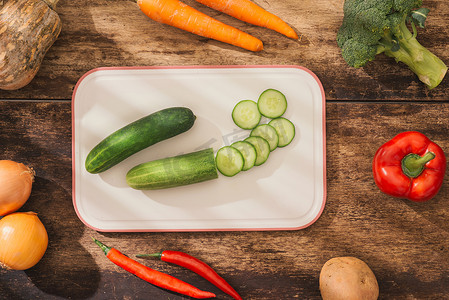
(287,192)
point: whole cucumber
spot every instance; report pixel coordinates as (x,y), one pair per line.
(173,171)
(137,136)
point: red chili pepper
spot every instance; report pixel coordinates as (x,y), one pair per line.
(152,276)
(187,261)
(409,166)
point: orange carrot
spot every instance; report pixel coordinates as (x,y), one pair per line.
(249,12)
(177,14)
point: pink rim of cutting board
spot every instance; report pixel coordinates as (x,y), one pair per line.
(318,82)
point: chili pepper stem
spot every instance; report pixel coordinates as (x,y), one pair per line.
(102,246)
(413,164)
(157,255)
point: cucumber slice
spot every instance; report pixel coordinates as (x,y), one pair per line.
(272,103)
(246,114)
(262,148)
(229,161)
(249,153)
(285,130)
(268,133)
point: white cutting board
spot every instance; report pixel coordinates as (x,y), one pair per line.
(287,192)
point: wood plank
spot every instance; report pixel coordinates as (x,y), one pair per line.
(115,33)
(404,243)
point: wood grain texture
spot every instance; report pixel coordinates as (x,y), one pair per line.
(406,244)
(116,33)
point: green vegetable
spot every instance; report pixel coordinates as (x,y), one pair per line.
(262,148)
(371,27)
(173,171)
(246,115)
(248,152)
(285,130)
(264,138)
(137,136)
(267,132)
(272,103)
(229,161)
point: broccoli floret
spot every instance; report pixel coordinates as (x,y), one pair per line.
(371,27)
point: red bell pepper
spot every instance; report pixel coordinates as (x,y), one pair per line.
(409,166)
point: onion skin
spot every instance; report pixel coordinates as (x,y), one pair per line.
(16,181)
(23,240)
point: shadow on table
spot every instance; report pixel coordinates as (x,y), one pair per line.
(390,75)
(67,269)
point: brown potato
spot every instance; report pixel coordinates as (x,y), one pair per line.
(348,278)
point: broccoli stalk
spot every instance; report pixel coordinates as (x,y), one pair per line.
(384,29)
(429,68)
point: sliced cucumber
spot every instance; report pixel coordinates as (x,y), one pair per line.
(285,130)
(262,148)
(268,133)
(272,103)
(249,153)
(246,114)
(173,171)
(229,161)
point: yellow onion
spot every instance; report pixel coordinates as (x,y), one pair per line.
(23,240)
(16,181)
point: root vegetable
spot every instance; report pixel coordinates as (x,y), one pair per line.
(16,181)
(23,240)
(176,13)
(348,278)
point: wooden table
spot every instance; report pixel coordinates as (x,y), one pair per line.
(406,244)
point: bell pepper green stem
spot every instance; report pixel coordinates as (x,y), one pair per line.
(413,164)
(158,255)
(102,246)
